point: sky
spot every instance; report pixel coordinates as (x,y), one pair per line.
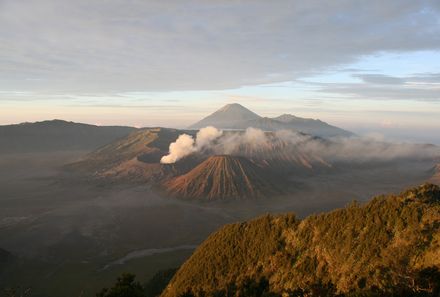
(371,67)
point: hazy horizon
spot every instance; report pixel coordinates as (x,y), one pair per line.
(370,68)
(394,135)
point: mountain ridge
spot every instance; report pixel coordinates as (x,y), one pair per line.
(236,116)
(135,157)
(389,245)
(53,135)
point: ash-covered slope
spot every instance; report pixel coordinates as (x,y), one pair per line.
(223,177)
(134,158)
(389,247)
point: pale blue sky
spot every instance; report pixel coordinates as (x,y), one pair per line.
(366,66)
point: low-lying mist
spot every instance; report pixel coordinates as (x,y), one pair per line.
(212,141)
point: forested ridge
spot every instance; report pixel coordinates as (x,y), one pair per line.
(388,246)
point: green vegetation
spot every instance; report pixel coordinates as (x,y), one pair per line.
(387,247)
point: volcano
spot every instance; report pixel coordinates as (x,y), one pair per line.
(224,177)
(134,158)
(237,117)
(228,117)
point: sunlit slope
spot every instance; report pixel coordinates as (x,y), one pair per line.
(382,245)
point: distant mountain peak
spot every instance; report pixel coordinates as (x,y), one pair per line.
(227,117)
(236,116)
(238,109)
(232,106)
(286,117)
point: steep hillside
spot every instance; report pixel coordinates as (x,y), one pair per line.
(124,149)
(389,245)
(134,158)
(223,177)
(435,175)
(48,136)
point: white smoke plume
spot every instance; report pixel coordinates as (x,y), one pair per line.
(206,136)
(182,147)
(231,143)
(186,145)
(254,136)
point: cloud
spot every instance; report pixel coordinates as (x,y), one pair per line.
(366,91)
(420,78)
(380,79)
(254,143)
(372,147)
(425,78)
(93,46)
(420,87)
(236,142)
(206,136)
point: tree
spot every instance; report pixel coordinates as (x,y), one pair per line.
(428,280)
(125,286)
(158,282)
